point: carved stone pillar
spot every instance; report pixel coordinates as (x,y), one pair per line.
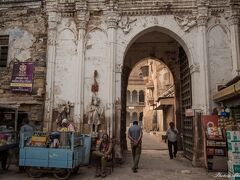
(112,20)
(82,18)
(234,30)
(203,64)
(51,57)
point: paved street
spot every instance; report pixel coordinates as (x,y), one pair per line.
(154,164)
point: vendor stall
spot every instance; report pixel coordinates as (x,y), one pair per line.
(228,100)
(8,135)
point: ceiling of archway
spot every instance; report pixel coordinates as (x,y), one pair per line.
(155,37)
(156,45)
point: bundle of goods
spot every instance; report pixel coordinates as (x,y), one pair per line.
(50,140)
(233,140)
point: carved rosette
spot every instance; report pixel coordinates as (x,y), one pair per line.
(233,20)
(202,20)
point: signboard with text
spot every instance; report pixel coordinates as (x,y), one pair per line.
(22,76)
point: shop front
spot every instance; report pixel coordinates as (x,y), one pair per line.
(222,131)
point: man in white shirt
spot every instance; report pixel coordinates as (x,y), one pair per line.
(172,133)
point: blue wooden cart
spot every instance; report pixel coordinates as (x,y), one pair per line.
(61,161)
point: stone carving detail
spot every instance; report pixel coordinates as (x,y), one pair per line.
(112,20)
(186,22)
(82,15)
(202,20)
(51,37)
(194,68)
(203,2)
(125,23)
(64,112)
(233,20)
(118,68)
(95,115)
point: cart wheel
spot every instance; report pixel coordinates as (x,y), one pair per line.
(33,172)
(9,161)
(62,174)
(75,170)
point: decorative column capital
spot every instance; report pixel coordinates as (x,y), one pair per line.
(233,20)
(202,20)
(81,15)
(112,19)
(82,18)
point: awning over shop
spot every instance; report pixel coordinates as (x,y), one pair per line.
(163,102)
(228,92)
(9,106)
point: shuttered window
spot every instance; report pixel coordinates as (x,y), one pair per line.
(3,50)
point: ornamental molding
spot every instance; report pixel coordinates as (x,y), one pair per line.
(186,22)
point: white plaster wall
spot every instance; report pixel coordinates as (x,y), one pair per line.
(65,83)
(96,58)
(219,53)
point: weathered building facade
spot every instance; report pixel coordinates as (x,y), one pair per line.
(23,34)
(197,39)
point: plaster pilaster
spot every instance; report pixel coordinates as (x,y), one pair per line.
(51,57)
(234,30)
(202,20)
(112,20)
(82,18)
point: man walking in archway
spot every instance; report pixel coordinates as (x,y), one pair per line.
(135,136)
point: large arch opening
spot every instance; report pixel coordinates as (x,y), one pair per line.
(163,46)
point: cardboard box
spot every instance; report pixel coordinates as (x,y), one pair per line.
(234,156)
(233,136)
(234,146)
(233,167)
(232,176)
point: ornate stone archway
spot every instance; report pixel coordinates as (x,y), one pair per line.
(171,53)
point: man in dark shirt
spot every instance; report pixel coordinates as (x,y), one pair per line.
(135,136)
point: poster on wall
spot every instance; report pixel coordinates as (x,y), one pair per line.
(22,77)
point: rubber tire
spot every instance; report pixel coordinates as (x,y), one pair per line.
(33,175)
(9,161)
(65,175)
(75,170)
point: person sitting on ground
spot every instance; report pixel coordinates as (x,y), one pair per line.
(171,134)
(103,153)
